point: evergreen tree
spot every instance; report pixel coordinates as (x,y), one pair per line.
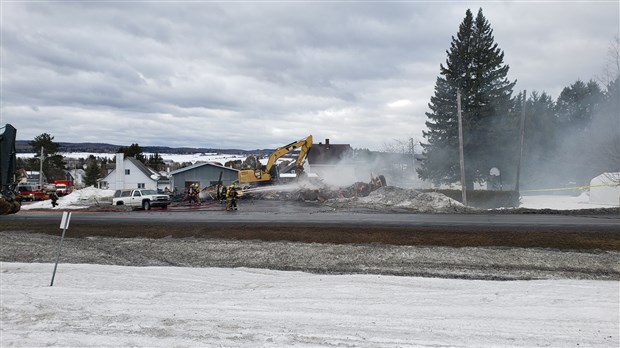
(541,141)
(156,162)
(475,67)
(604,133)
(576,107)
(93,173)
(133,151)
(577,104)
(53,164)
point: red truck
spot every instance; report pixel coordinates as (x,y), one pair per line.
(63,187)
(30,193)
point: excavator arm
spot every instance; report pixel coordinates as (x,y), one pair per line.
(264,174)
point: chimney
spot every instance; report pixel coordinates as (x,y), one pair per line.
(326,141)
(120,171)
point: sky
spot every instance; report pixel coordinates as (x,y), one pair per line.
(261,74)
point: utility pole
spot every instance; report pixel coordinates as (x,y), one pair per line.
(412,155)
(521,135)
(461,154)
(41,170)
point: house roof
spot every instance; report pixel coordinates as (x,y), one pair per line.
(201,164)
(328,153)
(144,169)
(148,172)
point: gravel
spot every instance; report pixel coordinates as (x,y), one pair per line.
(492,263)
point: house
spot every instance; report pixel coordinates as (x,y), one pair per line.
(77,176)
(130,173)
(202,173)
(329,154)
(31,177)
(333,163)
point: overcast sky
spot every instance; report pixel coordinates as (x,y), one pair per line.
(262,74)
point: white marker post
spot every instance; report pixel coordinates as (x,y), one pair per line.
(64,224)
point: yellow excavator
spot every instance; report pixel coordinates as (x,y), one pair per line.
(268,174)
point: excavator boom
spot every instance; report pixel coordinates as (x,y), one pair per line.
(266,173)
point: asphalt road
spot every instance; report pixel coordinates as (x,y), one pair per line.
(309,222)
(453,221)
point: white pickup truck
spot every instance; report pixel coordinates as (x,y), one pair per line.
(141,198)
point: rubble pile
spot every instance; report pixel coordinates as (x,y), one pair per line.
(363,195)
(408,199)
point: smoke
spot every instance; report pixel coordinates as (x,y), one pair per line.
(363,166)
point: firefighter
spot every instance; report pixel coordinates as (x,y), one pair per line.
(223,195)
(192,193)
(54,198)
(231,198)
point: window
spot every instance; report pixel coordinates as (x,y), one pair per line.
(141,185)
(137,194)
(125,193)
(127,172)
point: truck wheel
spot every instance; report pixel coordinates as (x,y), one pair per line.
(146,205)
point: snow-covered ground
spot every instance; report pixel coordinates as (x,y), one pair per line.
(113,306)
(561,202)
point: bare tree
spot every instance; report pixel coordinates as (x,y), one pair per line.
(611,70)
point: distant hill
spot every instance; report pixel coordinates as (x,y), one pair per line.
(23,146)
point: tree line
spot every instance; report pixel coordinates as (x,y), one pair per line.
(566,141)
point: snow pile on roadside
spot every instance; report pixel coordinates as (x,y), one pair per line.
(78,199)
(396,197)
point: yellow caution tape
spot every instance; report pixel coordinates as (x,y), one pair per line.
(572,188)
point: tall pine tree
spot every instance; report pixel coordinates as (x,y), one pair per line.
(53,163)
(475,66)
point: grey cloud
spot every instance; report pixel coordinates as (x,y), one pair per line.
(184,73)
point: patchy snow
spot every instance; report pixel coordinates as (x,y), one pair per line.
(561,202)
(78,199)
(114,306)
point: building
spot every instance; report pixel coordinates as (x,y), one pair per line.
(204,174)
(130,173)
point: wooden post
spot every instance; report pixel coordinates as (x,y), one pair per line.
(461,153)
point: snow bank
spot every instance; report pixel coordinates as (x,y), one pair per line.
(78,199)
(396,197)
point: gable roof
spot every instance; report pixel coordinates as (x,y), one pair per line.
(328,153)
(143,168)
(148,172)
(200,164)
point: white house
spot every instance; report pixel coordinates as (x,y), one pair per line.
(130,173)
